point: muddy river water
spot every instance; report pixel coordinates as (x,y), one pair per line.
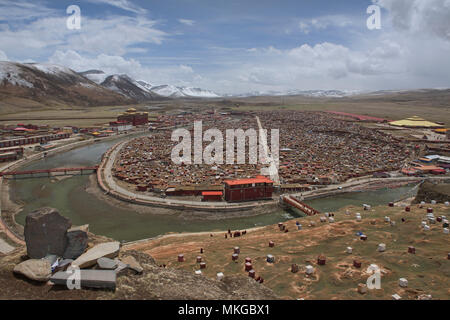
(70,197)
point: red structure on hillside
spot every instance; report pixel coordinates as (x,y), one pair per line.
(133,117)
(259,188)
(358,116)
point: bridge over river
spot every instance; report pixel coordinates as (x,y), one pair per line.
(48,172)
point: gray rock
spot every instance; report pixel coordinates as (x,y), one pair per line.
(100,279)
(107,250)
(106,263)
(77,242)
(84,227)
(35,269)
(121,267)
(132,264)
(5,248)
(51,258)
(45,233)
(63,265)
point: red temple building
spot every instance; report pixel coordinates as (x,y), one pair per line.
(258,188)
(133,117)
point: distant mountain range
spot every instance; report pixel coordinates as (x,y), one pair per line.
(50,84)
(306,93)
(142,90)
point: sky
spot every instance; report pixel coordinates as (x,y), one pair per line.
(235,47)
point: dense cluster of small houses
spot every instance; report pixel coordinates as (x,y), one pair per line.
(315,148)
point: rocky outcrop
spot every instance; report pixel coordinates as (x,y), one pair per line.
(35,269)
(167,284)
(77,241)
(132,264)
(45,233)
(154,283)
(103,250)
(430,191)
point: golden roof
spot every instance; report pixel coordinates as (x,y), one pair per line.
(415,122)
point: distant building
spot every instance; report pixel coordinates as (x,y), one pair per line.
(32,140)
(212,196)
(415,122)
(133,117)
(120,126)
(248,189)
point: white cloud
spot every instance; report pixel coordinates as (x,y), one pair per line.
(186,22)
(122,4)
(20,10)
(186,69)
(111,35)
(3,56)
(111,64)
(325,22)
(107,63)
(410,51)
(430,17)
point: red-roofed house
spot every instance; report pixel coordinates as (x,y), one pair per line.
(212,196)
(248,189)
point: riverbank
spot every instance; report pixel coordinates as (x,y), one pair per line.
(182,214)
(9,209)
(125,221)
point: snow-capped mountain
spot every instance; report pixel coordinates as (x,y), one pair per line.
(128,87)
(197,92)
(97,76)
(183,92)
(50,83)
(144,84)
(306,93)
(144,88)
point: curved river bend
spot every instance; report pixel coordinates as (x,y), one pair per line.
(70,197)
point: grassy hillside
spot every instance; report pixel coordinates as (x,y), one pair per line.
(428,271)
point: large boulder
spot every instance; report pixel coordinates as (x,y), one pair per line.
(45,233)
(35,269)
(102,250)
(77,242)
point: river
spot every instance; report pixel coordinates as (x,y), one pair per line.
(70,197)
